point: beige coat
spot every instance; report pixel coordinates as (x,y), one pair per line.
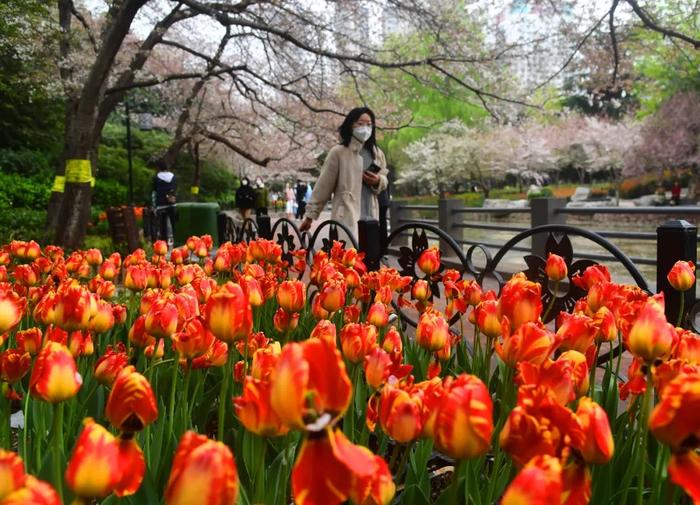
(341,176)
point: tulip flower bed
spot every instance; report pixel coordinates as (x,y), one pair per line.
(192,379)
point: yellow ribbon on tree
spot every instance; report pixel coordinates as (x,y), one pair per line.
(59,184)
(78,171)
(194,190)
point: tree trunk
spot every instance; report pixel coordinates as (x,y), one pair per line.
(74,210)
(197,168)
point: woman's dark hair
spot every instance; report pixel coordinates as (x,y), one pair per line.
(345,129)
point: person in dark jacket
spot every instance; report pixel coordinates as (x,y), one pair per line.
(163,199)
(245,198)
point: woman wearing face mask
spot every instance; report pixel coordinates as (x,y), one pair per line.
(354,173)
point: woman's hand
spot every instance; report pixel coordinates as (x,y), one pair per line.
(369,178)
(305,224)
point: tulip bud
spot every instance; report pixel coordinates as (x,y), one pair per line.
(555,268)
(682,275)
(93,257)
(161,319)
(429,261)
(110,364)
(432,332)
(14,365)
(378,315)
(12,307)
(228,313)
(377,367)
(54,377)
(285,322)
(332,295)
(651,336)
(160,247)
(291,295)
(421,290)
(400,414)
(325,330)
(464,423)
(12,476)
(357,340)
(488,318)
(207,463)
(131,405)
(101,464)
(598,444)
(29,340)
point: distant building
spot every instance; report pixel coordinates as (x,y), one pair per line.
(543,51)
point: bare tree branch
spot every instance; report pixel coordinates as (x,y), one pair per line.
(652,25)
(86,26)
(613,40)
(577,48)
(237,149)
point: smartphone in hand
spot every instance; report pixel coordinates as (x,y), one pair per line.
(374,168)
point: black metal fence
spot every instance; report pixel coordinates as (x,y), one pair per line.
(676,239)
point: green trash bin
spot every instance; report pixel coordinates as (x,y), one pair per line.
(196,218)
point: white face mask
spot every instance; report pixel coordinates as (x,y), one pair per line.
(362,133)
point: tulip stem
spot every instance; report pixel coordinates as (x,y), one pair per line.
(5,420)
(186,394)
(643,428)
(594,366)
(222,397)
(57,452)
(171,405)
(25,430)
(681,309)
(261,450)
(551,302)
(454,486)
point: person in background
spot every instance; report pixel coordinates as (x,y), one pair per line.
(290,201)
(163,199)
(300,189)
(261,197)
(676,193)
(354,173)
(245,198)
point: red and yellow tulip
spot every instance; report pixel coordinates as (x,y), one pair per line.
(131,405)
(102,464)
(203,471)
(54,377)
(464,422)
(309,381)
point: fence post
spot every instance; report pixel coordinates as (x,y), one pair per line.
(447,222)
(544,211)
(675,240)
(264,226)
(395,215)
(369,243)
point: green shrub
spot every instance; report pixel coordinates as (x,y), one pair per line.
(21,191)
(26,162)
(22,224)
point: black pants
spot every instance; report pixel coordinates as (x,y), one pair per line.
(163,217)
(301,209)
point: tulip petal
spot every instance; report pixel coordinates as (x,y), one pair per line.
(684,470)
